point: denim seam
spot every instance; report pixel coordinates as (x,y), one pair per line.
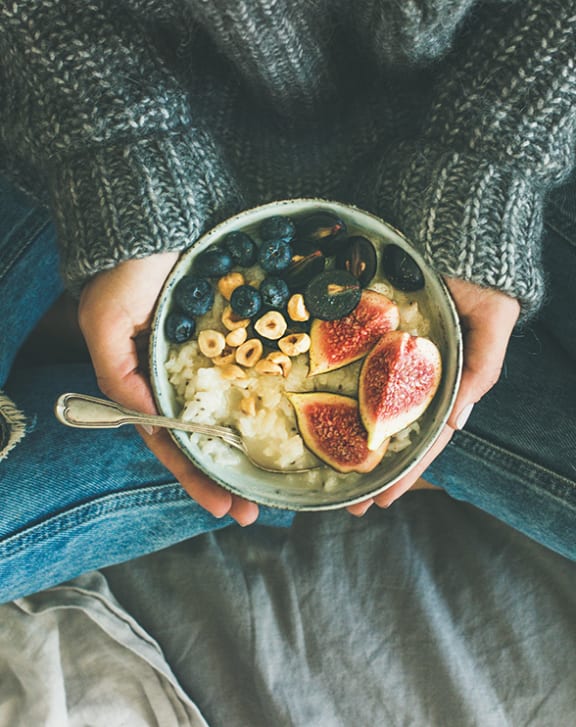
(517,465)
(560,222)
(21,249)
(94,511)
(562,232)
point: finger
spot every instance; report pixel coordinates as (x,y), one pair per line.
(201,488)
(360,508)
(386,498)
(243,511)
(114,355)
(114,316)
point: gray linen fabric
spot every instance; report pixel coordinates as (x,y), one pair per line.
(430,614)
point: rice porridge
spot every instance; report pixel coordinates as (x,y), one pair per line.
(227,373)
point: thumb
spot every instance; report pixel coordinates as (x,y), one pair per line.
(484,353)
(114,314)
(487,326)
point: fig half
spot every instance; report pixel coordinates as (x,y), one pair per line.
(332,294)
(398,380)
(331,428)
(334,344)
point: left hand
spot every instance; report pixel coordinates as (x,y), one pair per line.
(488,318)
(114,314)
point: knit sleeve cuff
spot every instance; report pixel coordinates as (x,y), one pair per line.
(120,202)
(470,218)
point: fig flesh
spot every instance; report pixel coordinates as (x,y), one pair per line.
(334,344)
(331,428)
(398,380)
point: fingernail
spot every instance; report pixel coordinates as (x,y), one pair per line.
(245,521)
(463,416)
(149,429)
(363,510)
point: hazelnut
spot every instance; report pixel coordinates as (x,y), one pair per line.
(267,367)
(294,344)
(271,325)
(236,337)
(229,282)
(226,357)
(282,360)
(211,343)
(232,321)
(249,352)
(232,372)
(248,405)
(297,308)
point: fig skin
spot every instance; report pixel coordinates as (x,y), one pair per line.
(401,269)
(358,256)
(331,428)
(332,294)
(304,267)
(398,380)
(334,344)
(323,229)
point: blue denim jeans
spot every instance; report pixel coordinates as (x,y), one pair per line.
(71,500)
(516,457)
(74,500)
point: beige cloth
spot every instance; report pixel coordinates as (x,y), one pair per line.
(72,657)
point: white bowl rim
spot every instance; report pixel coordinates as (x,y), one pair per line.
(278,207)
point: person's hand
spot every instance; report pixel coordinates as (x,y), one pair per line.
(488,318)
(115,312)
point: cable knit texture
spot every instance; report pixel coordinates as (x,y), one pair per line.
(148,120)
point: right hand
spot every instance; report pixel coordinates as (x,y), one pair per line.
(115,309)
(488,317)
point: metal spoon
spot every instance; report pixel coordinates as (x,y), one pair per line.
(89,412)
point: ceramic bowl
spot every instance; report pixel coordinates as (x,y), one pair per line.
(289,491)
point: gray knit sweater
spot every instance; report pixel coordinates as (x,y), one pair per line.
(145,121)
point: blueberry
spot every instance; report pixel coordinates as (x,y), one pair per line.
(245,301)
(195,296)
(277,228)
(179,327)
(213,263)
(241,248)
(275,255)
(274,292)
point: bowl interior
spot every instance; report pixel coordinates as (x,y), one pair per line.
(289,490)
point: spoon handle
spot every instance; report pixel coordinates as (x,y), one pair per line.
(81,410)
(89,412)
